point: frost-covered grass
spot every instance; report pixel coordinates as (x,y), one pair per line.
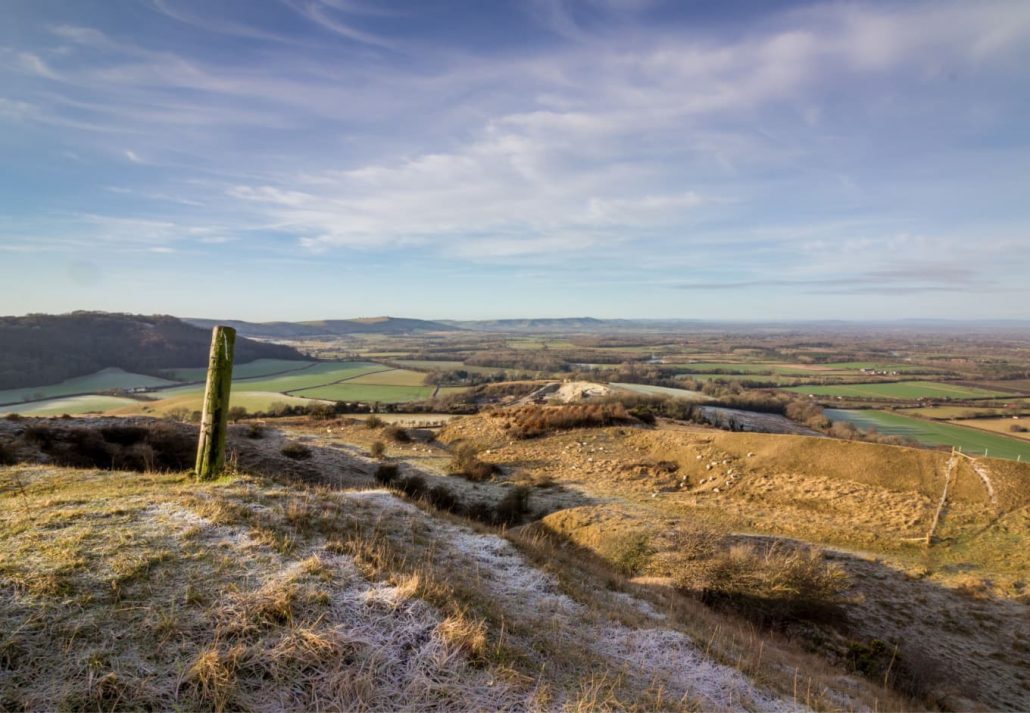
(145,590)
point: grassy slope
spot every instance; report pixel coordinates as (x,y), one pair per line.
(72,405)
(150,591)
(960,605)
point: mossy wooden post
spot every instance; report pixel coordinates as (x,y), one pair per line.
(213,422)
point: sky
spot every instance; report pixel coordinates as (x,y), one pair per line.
(311,159)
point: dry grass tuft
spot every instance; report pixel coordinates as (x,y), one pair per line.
(212,677)
(466,635)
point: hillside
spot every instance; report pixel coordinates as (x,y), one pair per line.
(270,591)
(703,567)
(328,327)
(43,349)
(935,545)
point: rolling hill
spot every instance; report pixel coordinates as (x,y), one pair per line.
(46,349)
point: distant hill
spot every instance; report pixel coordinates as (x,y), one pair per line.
(329,327)
(558,324)
(40,349)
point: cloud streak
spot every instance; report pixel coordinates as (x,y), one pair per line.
(810,149)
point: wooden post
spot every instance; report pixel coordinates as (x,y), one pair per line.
(211,448)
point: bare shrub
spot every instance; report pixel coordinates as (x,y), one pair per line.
(465,462)
(386,473)
(397,434)
(377,449)
(322,412)
(535,421)
(628,552)
(373,421)
(255,431)
(413,486)
(296,451)
(442,498)
(513,506)
(7,456)
(777,586)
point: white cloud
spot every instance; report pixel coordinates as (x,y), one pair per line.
(614,139)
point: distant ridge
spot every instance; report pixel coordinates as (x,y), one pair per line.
(593,325)
(328,327)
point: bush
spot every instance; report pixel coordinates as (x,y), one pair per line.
(643,416)
(373,421)
(465,462)
(296,451)
(236,413)
(413,486)
(386,473)
(778,586)
(396,433)
(279,408)
(442,498)
(1016,428)
(179,413)
(155,446)
(378,449)
(628,552)
(13,417)
(7,456)
(534,421)
(513,506)
(322,412)
(123,435)
(255,431)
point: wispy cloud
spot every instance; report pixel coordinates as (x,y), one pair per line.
(813,148)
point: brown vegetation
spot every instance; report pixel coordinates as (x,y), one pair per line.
(536,421)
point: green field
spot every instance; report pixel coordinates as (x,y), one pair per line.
(898,390)
(703,367)
(764,378)
(878,366)
(368,393)
(428,365)
(933,433)
(104,380)
(70,405)
(260,367)
(321,374)
(392,377)
(192,400)
(661,391)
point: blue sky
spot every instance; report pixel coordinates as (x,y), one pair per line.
(304,159)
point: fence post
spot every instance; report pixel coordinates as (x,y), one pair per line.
(213,422)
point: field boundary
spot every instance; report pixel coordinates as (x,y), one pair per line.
(338,381)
